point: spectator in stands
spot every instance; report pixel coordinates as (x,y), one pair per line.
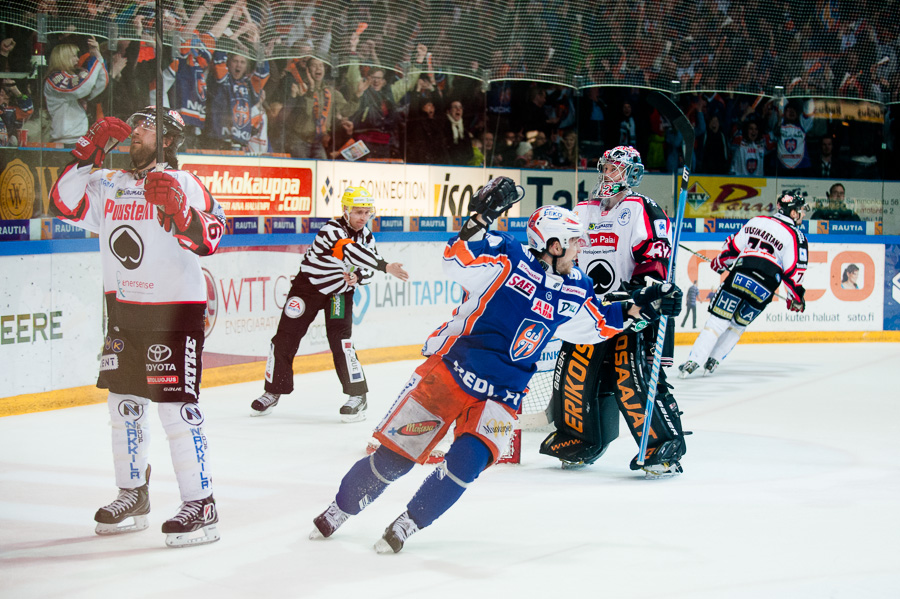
(565,154)
(492,156)
(749,152)
(627,126)
(315,110)
(6,47)
(457,136)
(826,166)
(835,206)
(427,141)
(716,160)
(15,108)
(376,121)
(70,82)
(541,148)
(789,127)
(537,114)
(233,92)
(508,149)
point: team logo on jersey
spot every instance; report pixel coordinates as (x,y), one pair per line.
(752,164)
(522,285)
(624,217)
(126,245)
(542,308)
(602,274)
(294,307)
(660,226)
(604,240)
(528,339)
(566,307)
(790,145)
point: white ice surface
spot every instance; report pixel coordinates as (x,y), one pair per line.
(791,489)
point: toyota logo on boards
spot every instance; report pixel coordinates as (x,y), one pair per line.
(158,353)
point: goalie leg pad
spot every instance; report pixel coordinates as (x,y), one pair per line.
(669,444)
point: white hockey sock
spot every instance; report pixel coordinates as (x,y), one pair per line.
(130,438)
(187,445)
(707,339)
(727,340)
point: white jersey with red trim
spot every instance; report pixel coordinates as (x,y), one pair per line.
(142,263)
(511,310)
(775,239)
(630,239)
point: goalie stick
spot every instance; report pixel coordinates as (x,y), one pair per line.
(702,257)
(673,114)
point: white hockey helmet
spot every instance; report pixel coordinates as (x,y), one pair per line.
(552,222)
(629,169)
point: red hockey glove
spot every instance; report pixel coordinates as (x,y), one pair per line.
(166,194)
(796,305)
(102,137)
(718,264)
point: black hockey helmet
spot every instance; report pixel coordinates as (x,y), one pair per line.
(792,199)
(173,124)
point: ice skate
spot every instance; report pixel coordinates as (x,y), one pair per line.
(687,368)
(710,366)
(264,404)
(396,534)
(131,503)
(662,470)
(355,408)
(328,521)
(568,465)
(195,516)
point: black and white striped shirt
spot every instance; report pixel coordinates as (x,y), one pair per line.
(336,248)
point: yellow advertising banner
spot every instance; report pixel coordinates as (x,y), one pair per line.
(848,110)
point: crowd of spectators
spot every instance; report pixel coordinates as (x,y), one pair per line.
(406,80)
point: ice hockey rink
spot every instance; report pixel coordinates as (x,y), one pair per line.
(791,489)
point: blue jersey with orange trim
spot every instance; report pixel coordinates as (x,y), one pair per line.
(510,311)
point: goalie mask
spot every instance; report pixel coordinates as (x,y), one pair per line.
(173,124)
(620,169)
(552,222)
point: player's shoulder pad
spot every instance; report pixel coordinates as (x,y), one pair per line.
(654,210)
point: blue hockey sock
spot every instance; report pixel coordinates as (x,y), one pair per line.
(369,477)
(467,457)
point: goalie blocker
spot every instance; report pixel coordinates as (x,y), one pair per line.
(584,403)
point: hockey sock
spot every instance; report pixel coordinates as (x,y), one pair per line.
(727,341)
(707,338)
(467,458)
(187,446)
(369,477)
(130,438)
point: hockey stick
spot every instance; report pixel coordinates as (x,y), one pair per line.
(673,114)
(160,151)
(702,257)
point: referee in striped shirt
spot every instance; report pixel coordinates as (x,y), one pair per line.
(342,256)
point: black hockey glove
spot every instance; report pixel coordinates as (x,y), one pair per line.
(658,299)
(495,198)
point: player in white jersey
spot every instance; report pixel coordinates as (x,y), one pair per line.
(766,252)
(342,256)
(626,246)
(480,361)
(153,225)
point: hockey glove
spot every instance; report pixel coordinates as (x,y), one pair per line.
(495,198)
(718,264)
(658,299)
(796,305)
(165,192)
(100,139)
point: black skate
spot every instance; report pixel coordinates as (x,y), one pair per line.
(328,521)
(355,408)
(198,515)
(263,404)
(131,503)
(687,368)
(710,366)
(396,534)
